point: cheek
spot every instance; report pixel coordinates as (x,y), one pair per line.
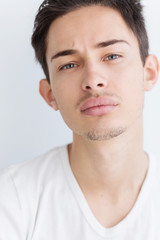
(132,78)
(129,85)
(65,96)
(66,89)
(133,92)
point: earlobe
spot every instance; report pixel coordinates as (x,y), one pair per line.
(151,71)
(45,91)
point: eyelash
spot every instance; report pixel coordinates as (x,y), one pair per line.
(70,65)
(65,67)
(113,55)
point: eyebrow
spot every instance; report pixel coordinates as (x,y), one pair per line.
(99,45)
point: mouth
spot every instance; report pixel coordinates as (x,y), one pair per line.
(98,107)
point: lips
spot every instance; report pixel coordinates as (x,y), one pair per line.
(98,106)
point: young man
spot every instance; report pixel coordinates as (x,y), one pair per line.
(102,186)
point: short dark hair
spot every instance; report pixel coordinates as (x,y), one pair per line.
(50,10)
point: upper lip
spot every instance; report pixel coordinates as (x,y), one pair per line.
(96,102)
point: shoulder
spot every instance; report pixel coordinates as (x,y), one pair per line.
(32,173)
(22,187)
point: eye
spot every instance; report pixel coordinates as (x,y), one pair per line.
(112,57)
(68,66)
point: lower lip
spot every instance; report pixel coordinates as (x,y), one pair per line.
(99,110)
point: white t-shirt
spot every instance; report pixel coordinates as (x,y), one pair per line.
(41,200)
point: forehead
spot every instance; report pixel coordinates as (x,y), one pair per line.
(87,26)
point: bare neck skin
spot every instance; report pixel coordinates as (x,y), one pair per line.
(110,171)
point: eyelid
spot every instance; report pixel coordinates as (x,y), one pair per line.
(61,68)
(113,54)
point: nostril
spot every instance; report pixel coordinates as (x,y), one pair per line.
(100,85)
(88,87)
(96,85)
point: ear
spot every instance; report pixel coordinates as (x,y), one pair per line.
(47,94)
(151,71)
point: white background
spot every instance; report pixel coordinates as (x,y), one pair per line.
(28,127)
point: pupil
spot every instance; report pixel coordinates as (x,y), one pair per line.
(70,66)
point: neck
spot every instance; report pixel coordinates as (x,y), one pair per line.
(111,166)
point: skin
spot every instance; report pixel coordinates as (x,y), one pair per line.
(106,155)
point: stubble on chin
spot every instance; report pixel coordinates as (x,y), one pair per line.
(104,135)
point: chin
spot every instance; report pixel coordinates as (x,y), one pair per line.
(103,134)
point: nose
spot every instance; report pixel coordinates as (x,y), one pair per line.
(94,79)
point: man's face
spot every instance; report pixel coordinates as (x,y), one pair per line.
(99,85)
